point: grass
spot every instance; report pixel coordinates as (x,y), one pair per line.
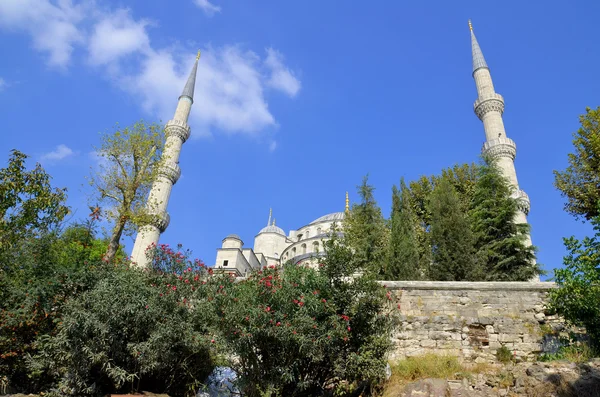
(428,366)
(504,355)
(577,352)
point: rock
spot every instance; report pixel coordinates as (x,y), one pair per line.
(537,371)
(426,388)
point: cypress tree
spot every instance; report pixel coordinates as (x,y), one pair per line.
(365,231)
(403,253)
(453,249)
(500,241)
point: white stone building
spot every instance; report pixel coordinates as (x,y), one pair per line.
(273,247)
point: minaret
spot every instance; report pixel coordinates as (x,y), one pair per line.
(489,107)
(347,208)
(177,132)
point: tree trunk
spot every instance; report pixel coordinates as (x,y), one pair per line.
(115,239)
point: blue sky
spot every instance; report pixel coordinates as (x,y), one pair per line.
(296,101)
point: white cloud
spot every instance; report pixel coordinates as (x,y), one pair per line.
(52,27)
(208,8)
(117,35)
(281,77)
(2,83)
(61,152)
(272,146)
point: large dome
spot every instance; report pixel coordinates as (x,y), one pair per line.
(272,229)
(333,217)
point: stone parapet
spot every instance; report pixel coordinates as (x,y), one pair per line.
(522,201)
(489,103)
(171,171)
(500,147)
(178,128)
(471,320)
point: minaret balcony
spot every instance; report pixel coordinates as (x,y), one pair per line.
(171,171)
(489,103)
(178,128)
(161,221)
(500,147)
(522,201)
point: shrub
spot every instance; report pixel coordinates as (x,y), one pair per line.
(301,331)
(504,355)
(135,329)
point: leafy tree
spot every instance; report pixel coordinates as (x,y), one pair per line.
(29,206)
(403,256)
(500,241)
(578,297)
(136,329)
(453,249)
(580,182)
(130,160)
(305,331)
(366,232)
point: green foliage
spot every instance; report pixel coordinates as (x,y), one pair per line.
(578,297)
(135,329)
(578,352)
(301,331)
(365,231)
(504,355)
(500,241)
(403,251)
(130,160)
(29,206)
(453,249)
(427,366)
(580,182)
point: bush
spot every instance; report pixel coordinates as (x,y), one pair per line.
(504,355)
(578,297)
(136,329)
(303,331)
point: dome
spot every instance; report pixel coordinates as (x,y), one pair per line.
(235,236)
(272,229)
(333,217)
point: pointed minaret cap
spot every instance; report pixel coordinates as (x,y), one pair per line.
(188,90)
(270,215)
(478,59)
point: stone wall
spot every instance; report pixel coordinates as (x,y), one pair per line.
(469,319)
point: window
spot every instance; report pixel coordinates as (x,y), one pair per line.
(225,263)
(299,237)
(303,248)
(316,246)
(294,251)
(318,231)
(307,234)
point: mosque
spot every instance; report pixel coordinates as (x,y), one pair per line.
(272,246)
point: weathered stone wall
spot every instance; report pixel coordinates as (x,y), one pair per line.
(469,319)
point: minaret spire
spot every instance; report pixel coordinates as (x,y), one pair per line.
(177,131)
(270,214)
(489,108)
(347,209)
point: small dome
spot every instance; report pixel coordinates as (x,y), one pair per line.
(272,229)
(335,216)
(235,236)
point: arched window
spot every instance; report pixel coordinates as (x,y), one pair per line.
(307,233)
(316,246)
(318,231)
(303,248)
(299,237)
(294,251)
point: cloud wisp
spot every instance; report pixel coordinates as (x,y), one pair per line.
(282,78)
(2,84)
(60,153)
(208,8)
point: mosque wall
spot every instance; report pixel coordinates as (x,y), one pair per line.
(232,257)
(471,319)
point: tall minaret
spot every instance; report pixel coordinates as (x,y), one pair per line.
(177,132)
(489,107)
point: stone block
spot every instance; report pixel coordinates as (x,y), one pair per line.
(427,343)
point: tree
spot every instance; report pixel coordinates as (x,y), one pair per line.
(453,249)
(580,182)
(365,230)
(29,206)
(130,160)
(577,298)
(499,240)
(403,253)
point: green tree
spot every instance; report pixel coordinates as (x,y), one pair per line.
(29,206)
(453,249)
(577,298)
(130,160)
(580,182)
(365,231)
(403,251)
(500,241)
